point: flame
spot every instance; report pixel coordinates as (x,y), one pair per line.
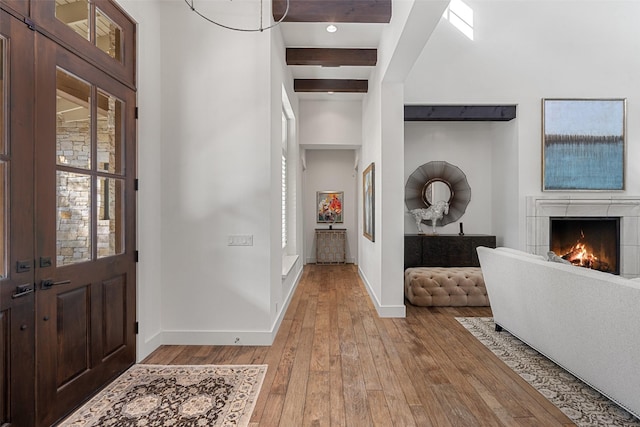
(580,255)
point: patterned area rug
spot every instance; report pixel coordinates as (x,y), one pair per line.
(175,395)
(581,403)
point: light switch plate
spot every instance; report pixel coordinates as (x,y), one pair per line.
(240,240)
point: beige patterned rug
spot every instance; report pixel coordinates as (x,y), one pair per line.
(581,403)
(175,395)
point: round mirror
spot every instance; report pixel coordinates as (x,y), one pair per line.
(435,181)
(435,190)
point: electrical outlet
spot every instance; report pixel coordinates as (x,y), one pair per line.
(240,240)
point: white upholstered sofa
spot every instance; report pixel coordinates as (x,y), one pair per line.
(584,320)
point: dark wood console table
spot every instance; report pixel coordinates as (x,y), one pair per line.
(444,250)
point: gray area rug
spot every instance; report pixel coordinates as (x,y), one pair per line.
(578,401)
(175,395)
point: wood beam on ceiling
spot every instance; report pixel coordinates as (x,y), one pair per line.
(332,57)
(448,113)
(331,85)
(360,11)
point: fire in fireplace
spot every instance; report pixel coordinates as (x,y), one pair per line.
(591,242)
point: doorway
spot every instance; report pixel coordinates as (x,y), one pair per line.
(67,186)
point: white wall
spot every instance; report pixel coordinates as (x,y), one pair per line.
(469,146)
(332,170)
(149,226)
(522,52)
(209,145)
(381,262)
(330,124)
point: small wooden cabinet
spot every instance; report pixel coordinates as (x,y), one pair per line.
(331,246)
(447,250)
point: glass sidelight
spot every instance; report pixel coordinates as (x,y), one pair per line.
(89,177)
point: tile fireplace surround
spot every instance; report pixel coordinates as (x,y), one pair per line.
(540,208)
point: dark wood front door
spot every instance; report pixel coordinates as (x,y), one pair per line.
(17,296)
(67,222)
(84,229)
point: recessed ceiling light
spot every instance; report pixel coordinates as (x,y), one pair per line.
(330,92)
(332,28)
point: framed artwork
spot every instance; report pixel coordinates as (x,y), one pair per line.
(329,205)
(583,143)
(368,202)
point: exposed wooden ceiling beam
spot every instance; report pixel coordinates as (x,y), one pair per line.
(330,85)
(329,57)
(362,11)
(445,113)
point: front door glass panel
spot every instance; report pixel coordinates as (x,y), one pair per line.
(108,36)
(73,121)
(73,221)
(74,13)
(110,131)
(110,217)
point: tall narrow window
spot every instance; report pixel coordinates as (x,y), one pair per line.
(285,130)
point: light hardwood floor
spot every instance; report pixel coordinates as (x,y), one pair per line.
(334,362)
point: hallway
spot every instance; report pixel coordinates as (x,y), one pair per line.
(336,363)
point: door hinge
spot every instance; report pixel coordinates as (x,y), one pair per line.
(136,328)
(136,256)
(30,24)
(136,184)
(136,113)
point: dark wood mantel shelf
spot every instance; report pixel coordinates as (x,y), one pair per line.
(449,113)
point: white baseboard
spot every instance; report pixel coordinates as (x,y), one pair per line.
(383,310)
(259,338)
(148,346)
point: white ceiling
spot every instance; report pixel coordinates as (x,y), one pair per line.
(349,35)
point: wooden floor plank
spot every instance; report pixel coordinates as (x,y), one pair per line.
(334,362)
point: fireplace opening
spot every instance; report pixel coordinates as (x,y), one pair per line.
(591,242)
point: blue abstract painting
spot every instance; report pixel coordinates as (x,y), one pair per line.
(583,144)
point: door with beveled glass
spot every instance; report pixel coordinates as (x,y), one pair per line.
(84,229)
(17,291)
(67,204)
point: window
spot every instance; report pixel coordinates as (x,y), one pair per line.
(285,129)
(461,16)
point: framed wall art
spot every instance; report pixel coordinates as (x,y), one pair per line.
(583,143)
(368,202)
(329,205)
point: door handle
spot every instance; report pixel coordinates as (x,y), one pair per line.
(49,283)
(23,290)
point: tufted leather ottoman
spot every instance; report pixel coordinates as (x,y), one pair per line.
(445,286)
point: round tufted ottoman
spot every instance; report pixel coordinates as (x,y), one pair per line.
(445,286)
